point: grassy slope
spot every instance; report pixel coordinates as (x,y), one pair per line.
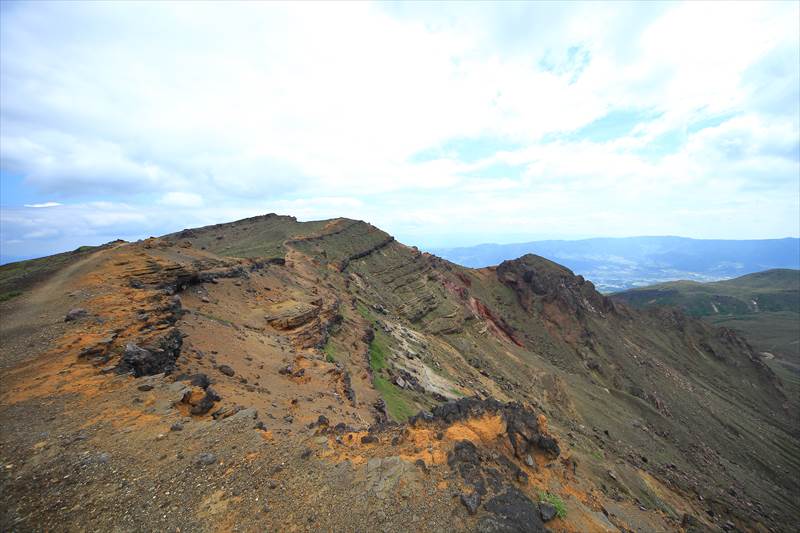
(398,403)
(262,236)
(765,306)
(772,290)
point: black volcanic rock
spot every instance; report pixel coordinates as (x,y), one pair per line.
(512,511)
(522,424)
(146,361)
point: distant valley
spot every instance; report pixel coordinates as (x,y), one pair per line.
(617,264)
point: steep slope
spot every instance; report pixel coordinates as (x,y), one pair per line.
(266,374)
(764,307)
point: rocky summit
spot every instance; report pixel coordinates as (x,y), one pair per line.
(271,374)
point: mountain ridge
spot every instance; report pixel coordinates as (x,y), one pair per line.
(334,324)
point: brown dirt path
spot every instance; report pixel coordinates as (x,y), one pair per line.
(30,322)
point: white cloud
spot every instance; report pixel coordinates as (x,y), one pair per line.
(182,199)
(44,204)
(319,110)
(41,234)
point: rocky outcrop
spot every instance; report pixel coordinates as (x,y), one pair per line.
(493,479)
(512,511)
(536,280)
(499,326)
(156,358)
(308,323)
(342,265)
(523,427)
(294,315)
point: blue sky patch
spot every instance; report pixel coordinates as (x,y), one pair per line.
(615,124)
(466,150)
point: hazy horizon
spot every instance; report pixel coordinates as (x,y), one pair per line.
(5,258)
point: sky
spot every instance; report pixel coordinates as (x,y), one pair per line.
(444,124)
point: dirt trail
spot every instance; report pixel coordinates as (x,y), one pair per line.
(30,322)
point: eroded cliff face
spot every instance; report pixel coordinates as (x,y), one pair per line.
(271,373)
(539,282)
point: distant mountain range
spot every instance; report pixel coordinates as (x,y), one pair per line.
(616,264)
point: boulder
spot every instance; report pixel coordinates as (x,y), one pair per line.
(75,314)
(200,380)
(512,511)
(547,511)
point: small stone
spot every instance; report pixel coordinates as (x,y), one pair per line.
(144,388)
(177,426)
(547,511)
(225,369)
(529,461)
(471,502)
(75,314)
(206,458)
